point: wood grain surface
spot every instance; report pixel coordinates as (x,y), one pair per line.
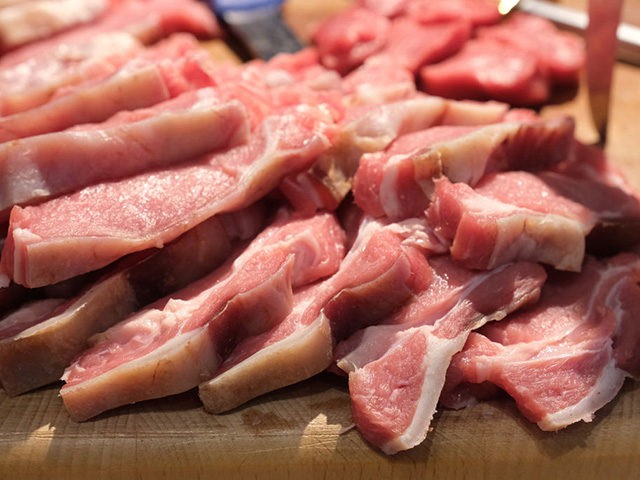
(304,431)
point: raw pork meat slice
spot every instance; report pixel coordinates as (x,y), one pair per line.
(36,20)
(396,371)
(412,45)
(151,76)
(560,54)
(365,129)
(36,353)
(35,80)
(568,355)
(107,221)
(193,124)
(486,69)
(26,316)
(376,277)
(146,20)
(510,216)
(399,182)
(347,39)
(177,342)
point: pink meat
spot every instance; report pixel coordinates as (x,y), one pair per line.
(146,20)
(365,129)
(509,216)
(35,354)
(566,357)
(347,39)
(178,342)
(376,83)
(37,78)
(397,370)
(560,54)
(486,69)
(378,274)
(31,21)
(153,208)
(45,166)
(26,316)
(399,183)
(476,12)
(412,45)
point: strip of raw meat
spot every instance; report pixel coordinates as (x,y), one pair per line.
(347,39)
(486,69)
(377,276)
(372,128)
(397,371)
(36,354)
(365,129)
(476,12)
(375,83)
(33,82)
(26,316)
(36,20)
(102,223)
(37,168)
(567,356)
(510,216)
(412,45)
(155,74)
(560,54)
(179,341)
(146,20)
(398,183)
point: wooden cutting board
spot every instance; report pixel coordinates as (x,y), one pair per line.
(304,431)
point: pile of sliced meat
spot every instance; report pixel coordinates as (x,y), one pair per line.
(171,224)
(462,49)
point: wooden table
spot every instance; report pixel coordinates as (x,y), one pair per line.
(304,431)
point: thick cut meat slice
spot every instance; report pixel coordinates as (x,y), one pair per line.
(399,182)
(102,223)
(36,354)
(347,39)
(510,216)
(396,371)
(29,314)
(179,341)
(41,167)
(559,53)
(377,276)
(365,129)
(151,76)
(35,80)
(486,69)
(567,356)
(36,20)
(412,45)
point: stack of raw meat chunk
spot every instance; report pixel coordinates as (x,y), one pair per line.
(171,223)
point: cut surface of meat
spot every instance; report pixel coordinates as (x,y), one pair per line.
(399,183)
(36,354)
(346,40)
(195,123)
(378,274)
(179,341)
(509,216)
(485,69)
(560,54)
(568,355)
(31,21)
(476,12)
(105,222)
(397,370)
(412,45)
